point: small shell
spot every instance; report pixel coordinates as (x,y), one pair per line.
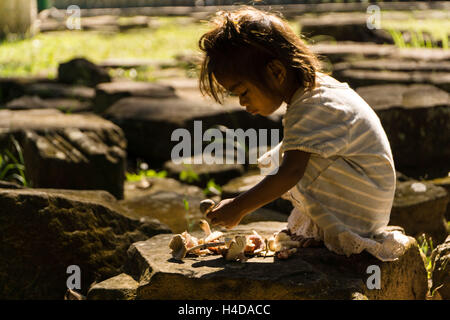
(178,246)
(206,206)
(236,249)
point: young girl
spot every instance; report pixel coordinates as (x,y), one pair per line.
(336,168)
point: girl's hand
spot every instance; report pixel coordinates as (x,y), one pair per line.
(226,214)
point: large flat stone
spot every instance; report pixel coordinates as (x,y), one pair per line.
(110,92)
(419,113)
(168,207)
(220,173)
(148,123)
(343,28)
(60,90)
(244,183)
(345,50)
(419,208)
(67,151)
(313,273)
(392,65)
(43,232)
(121,287)
(360,78)
(14,87)
(62,104)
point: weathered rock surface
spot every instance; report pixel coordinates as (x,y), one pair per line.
(82,72)
(343,28)
(441,269)
(11,88)
(61,104)
(168,207)
(242,184)
(221,173)
(313,273)
(68,151)
(43,232)
(359,78)
(110,92)
(148,123)
(150,186)
(121,287)
(419,113)
(60,90)
(345,50)
(392,65)
(419,207)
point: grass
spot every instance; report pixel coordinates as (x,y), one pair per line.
(43,53)
(438,29)
(12,164)
(426,246)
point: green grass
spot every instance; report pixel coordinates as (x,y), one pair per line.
(426,246)
(438,29)
(12,164)
(43,53)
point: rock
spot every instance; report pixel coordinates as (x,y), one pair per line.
(346,50)
(359,78)
(129,63)
(34,102)
(151,122)
(12,88)
(168,207)
(82,72)
(444,183)
(419,207)
(242,184)
(441,270)
(313,273)
(221,173)
(60,90)
(108,93)
(392,65)
(264,214)
(9,185)
(413,113)
(154,185)
(68,151)
(121,287)
(344,28)
(43,232)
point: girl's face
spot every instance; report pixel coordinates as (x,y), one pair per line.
(254,98)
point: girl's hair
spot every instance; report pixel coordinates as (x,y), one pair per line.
(243,42)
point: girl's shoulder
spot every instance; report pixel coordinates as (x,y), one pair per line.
(323,83)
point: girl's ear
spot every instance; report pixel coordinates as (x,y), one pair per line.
(277,70)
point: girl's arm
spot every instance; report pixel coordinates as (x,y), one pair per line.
(229,212)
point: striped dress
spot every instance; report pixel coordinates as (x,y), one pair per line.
(346,194)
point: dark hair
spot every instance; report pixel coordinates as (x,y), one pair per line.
(244,41)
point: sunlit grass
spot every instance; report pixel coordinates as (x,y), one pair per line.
(43,53)
(439,29)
